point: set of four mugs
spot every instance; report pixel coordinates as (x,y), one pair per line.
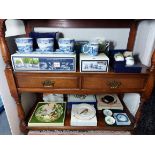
(66,45)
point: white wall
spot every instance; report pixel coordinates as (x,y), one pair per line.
(118,36)
(9,103)
(145,41)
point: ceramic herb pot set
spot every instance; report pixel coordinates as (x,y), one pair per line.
(66,45)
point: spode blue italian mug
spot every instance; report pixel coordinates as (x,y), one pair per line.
(90,48)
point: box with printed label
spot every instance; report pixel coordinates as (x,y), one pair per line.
(44,62)
(97,63)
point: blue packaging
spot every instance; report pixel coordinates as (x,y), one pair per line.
(77,99)
(120,66)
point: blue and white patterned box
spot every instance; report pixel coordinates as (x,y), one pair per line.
(44,62)
(77,99)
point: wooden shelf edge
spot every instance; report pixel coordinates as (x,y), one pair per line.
(78,91)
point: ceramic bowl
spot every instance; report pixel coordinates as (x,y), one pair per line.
(107,112)
(66,45)
(45,44)
(129,61)
(109,120)
(24,45)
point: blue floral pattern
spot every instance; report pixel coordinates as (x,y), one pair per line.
(24,45)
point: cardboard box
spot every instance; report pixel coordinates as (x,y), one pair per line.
(79,122)
(77,99)
(44,62)
(116,104)
(99,63)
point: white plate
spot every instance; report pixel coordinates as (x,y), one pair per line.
(107,112)
(109,120)
(84,111)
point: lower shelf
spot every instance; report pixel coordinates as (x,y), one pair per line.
(101,125)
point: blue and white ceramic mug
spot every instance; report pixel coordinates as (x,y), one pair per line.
(24,45)
(66,45)
(46,44)
(91,48)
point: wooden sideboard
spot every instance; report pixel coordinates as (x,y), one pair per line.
(78,83)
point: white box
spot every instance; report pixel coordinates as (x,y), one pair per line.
(99,63)
(50,62)
(122,119)
(77,99)
(78,122)
(114,105)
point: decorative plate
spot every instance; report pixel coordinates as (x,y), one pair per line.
(122,118)
(109,120)
(109,99)
(107,112)
(84,111)
(49,112)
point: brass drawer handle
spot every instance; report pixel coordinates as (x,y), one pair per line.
(48,83)
(114,84)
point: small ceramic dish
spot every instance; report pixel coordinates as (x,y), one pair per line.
(129,61)
(109,120)
(107,112)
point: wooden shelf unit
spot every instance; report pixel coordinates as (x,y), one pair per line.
(78,83)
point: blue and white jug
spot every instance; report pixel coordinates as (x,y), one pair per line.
(91,48)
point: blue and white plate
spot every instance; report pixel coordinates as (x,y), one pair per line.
(122,118)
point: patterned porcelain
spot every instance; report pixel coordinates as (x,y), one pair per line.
(24,45)
(109,120)
(46,44)
(91,48)
(66,41)
(66,45)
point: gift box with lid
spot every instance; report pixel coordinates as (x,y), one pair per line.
(44,62)
(121,66)
(77,99)
(99,63)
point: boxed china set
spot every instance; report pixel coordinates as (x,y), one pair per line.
(83,110)
(44,62)
(123,61)
(77,99)
(48,114)
(83,115)
(108,101)
(97,63)
(48,52)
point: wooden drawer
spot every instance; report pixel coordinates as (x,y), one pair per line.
(113,83)
(47,82)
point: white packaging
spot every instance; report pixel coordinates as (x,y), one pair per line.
(99,63)
(53,97)
(81,122)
